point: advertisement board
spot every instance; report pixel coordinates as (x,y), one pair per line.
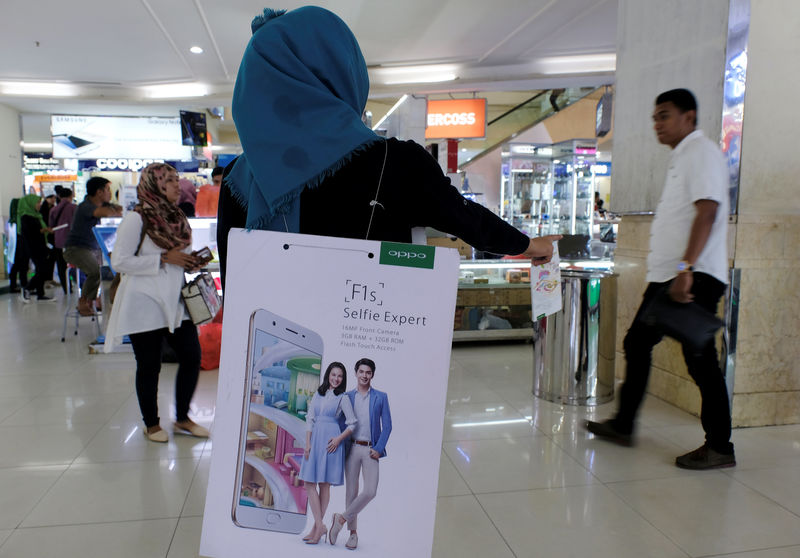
(456,119)
(300,309)
(118,137)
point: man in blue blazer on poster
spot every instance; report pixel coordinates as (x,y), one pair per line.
(367,445)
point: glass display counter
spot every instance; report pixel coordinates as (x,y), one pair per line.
(494,298)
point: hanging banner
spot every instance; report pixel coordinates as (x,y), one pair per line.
(300,309)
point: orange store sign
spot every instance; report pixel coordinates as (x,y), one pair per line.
(456,119)
(56,178)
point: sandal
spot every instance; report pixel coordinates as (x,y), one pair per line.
(189,428)
(156,434)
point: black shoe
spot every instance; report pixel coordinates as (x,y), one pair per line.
(608,431)
(14,290)
(705,458)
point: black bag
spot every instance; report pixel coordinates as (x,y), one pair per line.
(688,323)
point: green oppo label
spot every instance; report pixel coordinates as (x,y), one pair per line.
(407,255)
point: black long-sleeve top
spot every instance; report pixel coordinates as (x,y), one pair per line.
(413,193)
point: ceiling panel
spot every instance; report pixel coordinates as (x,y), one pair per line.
(84,40)
(496,42)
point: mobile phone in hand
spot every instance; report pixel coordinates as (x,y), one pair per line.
(204,255)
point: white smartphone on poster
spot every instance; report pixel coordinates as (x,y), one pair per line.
(284,360)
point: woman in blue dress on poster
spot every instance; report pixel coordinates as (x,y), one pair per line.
(323,458)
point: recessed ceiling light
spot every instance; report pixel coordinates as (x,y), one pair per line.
(196,50)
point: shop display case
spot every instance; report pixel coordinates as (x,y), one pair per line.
(549,189)
(494,298)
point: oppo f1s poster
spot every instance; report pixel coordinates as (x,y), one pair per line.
(332,387)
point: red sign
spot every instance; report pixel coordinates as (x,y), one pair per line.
(456,119)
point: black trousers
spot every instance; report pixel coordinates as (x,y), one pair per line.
(20,267)
(39,258)
(715,414)
(61,267)
(147,350)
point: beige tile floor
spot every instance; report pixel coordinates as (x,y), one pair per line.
(519,477)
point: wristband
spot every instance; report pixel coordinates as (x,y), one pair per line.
(685,267)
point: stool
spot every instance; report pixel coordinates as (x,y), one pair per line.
(72,311)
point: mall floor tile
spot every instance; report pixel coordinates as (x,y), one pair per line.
(519,476)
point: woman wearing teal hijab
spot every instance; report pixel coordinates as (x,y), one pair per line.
(32,229)
(299,95)
(310,165)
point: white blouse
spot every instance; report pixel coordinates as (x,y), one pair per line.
(148,296)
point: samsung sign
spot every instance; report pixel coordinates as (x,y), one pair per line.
(117,137)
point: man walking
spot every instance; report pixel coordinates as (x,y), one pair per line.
(688,256)
(372,430)
(80,248)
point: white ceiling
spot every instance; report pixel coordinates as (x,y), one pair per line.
(109,50)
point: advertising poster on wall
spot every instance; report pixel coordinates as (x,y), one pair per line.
(120,137)
(304,311)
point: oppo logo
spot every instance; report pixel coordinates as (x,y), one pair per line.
(126,164)
(408,255)
(451,119)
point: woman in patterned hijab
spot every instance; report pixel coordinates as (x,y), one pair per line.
(163,220)
(152,250)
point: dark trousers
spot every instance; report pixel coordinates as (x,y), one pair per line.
(36,284)
(715,414)
(147,350)
(61,267)
(20,267)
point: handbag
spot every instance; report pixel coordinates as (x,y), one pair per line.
(201,298)
(688,323)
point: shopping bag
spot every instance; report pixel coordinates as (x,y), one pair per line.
(201,298)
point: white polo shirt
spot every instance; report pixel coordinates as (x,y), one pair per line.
(697,171)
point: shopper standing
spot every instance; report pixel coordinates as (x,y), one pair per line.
(60,215)
(80,248)
(48,203)
(33,230)
(688,256)
(152,251)
(19,267)
(207,198)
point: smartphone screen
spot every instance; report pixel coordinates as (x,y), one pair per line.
(283,373)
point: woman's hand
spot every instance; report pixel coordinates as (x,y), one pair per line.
(305,453)
(177,256)
(540,249)
(333,443)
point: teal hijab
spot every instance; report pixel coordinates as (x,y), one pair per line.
(297,104)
